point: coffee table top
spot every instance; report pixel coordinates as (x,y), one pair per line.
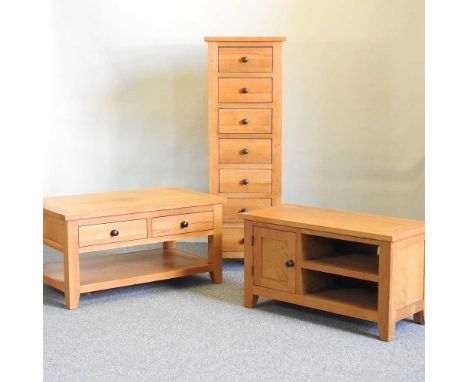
(369,226)
(86,206)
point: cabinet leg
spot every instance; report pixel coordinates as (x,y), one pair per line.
(419,317)
(214,246)
(250,300)
(71,268)
(386,311)
(169,244)
(386,330)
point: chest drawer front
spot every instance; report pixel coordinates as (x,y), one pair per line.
(180,224)
(245,150)
(233,239)
(245,59)
(245,121)
(245,90)
(233,209)
(106,233)
(240,180)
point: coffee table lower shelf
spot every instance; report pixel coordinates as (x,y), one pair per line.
(113,271)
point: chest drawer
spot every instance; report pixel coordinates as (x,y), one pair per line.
(245,90)
(245,150)
(184,223)
(233,239)
(245,59)
(234,207)
(244,121)
(242,180)
(106,233)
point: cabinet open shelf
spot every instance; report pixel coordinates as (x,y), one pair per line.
(351,301)
(360,266)
(110,271)
(340,294)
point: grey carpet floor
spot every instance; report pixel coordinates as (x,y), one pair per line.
(188,329)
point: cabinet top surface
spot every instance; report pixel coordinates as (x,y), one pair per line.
(244,38)
(85,206)
(384,228)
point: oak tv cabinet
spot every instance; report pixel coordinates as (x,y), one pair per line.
(86,223)
(364,266)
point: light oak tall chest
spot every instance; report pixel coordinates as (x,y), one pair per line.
(245,123)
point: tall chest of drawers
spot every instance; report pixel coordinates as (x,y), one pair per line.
(245,123)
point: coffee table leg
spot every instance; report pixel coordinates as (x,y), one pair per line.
(71,267)
(214,246)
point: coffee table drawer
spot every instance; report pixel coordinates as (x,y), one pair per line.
(245,90)
(233,239)
(245,59)
(240,180)
(106,233)
(184,223)
(234,208)
(244,150)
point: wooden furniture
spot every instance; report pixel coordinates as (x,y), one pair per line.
(94,222)
(244,113)
(364,266)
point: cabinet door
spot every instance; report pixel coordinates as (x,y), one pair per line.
(274,259)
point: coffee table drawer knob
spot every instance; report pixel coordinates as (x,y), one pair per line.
(184,224)
(114,233)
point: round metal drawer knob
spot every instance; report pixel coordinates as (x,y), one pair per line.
(290,263)
(245,121)
(244,90)
(114,233)
(184,224)
(245,182)
(245,151)
(244,210)
(245,59)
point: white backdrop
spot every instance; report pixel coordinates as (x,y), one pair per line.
(130,97)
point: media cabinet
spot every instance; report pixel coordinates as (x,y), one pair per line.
(364,266)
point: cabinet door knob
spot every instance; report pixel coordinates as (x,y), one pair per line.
(245,121)
(245,151)
(184,224)
(114,233)
(241,241)
(244,210)
(245,182)
(245,59)
(290,263)
(244,90)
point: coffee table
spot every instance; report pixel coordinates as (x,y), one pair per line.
(94,222)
